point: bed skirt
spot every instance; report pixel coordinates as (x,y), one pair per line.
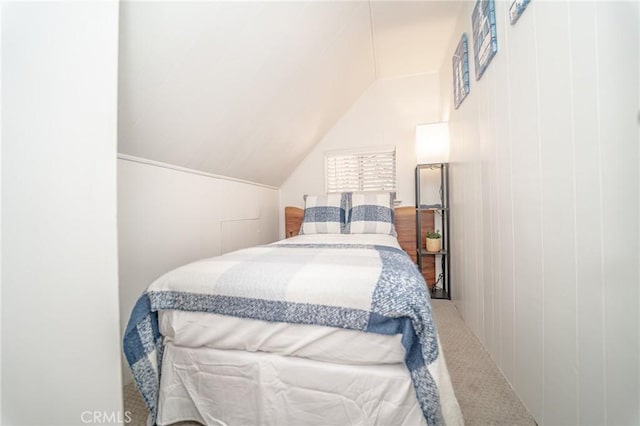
(231,387)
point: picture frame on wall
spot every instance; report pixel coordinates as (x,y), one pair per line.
(516,9)
(485,39)
(460,60)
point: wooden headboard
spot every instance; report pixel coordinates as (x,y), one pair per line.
(292,221)
(405,222)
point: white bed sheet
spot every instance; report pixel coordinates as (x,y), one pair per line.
(370,239)
(198,329)
(226,387)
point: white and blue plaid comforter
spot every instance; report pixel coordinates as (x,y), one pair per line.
(373,288)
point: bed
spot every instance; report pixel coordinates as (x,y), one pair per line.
(328,327)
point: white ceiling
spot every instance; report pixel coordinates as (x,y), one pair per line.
(411,37)
(247,89)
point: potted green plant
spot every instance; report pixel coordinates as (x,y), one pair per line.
(434,241)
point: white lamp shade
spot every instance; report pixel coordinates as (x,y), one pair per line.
(432,143)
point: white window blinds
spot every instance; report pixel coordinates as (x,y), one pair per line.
(362,171)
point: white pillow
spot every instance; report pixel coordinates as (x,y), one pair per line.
(323,214)
(371,213)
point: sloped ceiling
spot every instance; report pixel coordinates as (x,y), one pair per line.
(246,89)
(412,37)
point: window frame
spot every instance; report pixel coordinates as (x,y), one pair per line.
(361,152)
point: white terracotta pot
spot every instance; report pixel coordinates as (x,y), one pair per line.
(434,244)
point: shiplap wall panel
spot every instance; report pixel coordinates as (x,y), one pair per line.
(527,210)
(504,217)
(582,18)
(485,140)
(497,132)
(491,270)
(455,200)
(558,216)
(476,234)
(488,295)
(475,300)
(546,144)
(618,108)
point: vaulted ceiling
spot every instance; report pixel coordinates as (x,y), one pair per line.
(246,89)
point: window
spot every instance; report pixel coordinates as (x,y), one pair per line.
(372,170)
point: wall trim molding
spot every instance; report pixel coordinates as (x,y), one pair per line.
(148,162)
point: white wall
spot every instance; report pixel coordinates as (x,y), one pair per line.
(1,4)
(545,204)
(385,115)
(60,340)
(169,217)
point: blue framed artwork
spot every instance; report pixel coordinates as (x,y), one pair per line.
(516,9)
(485,40)
(461,72)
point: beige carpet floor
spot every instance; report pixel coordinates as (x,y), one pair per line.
(484,395)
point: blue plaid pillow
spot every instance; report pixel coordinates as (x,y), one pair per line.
(371,213)
(323,214)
